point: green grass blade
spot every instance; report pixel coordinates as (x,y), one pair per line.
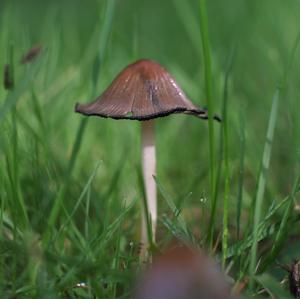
(87,213)
(225,231)
(241,176)
(210,107)
(103,41)
(262,184)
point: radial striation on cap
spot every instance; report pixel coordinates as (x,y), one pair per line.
(143,90)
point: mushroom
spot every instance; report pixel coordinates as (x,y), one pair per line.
(143,91)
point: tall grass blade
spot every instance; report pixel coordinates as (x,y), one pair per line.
(241,176)
(225,231)
(103,41)
(262,184)
(87,213)
(210,106)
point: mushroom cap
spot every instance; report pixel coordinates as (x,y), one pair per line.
(143,90)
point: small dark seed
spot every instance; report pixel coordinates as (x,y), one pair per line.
(8,80)
(31,54)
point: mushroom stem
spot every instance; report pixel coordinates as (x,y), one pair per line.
(149,170)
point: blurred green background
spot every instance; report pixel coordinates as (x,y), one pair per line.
(37,137)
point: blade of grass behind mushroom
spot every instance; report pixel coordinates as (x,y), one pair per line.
(210,106)
(225,128)
(262,178)
(241,172)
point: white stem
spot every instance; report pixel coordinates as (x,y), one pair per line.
(149,170)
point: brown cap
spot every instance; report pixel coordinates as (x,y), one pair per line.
(143,90)
(183,273)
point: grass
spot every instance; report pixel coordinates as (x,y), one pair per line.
(70,187)
(211,112)
(104,34)
(262,184)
